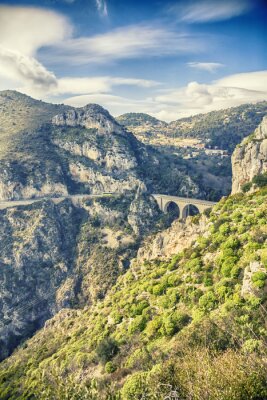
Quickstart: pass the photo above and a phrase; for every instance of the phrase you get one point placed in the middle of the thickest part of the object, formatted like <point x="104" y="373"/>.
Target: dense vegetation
<point x="191" y="327"/>
<point x="139" y="119"/>
<point x="223" y="129"/>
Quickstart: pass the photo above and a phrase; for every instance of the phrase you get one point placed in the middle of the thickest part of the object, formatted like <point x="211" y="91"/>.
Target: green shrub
<point x="246" y="187"/>
<point x="110" y="367"/>
<point x="258" y="279"/>
<point x="107" y="349"/>
<point x="159" y="289"/>
<point x="138" y="308"/>
<point x="174" y="263"/>
<point x="135" y="386"/>
<point x="138" y="324"/>
<point x="227" y="266"/>
<point x="260" y="180"/>
<point x="173" y="323"/>
<point x="208" y="301"/>
<point x="194" y="265"/>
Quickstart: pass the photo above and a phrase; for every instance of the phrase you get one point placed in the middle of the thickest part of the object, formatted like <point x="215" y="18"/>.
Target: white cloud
<point x="102" y="7"/>
<point x="205" y="66"/>
<point x="254" y="81"/>
<point x="118" y="105"/>
<point x="100" y="84"/>
<point x="20" y="68"/>
<point x="23" y="30"/>
<point x="126" y="42"/>
<point x="26" y="29"/>
<point x="209" y="10"/>
<point x="115" y="104"/>
<point x="229" y="91"/>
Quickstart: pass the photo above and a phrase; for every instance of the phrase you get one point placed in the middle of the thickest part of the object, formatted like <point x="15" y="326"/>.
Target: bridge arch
<point x="189" y="210"/>
<point x="173" y="208"/>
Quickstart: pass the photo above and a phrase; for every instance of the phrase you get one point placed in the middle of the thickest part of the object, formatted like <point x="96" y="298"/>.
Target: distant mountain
<point x="222" y="129"/>
<point x="139" y="119"/>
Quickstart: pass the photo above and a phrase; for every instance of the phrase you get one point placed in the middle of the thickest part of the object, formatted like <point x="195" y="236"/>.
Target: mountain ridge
<point x="222" y="129"/>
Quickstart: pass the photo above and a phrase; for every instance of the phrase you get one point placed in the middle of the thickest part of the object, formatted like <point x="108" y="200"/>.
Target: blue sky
<point x="168" y="58"/>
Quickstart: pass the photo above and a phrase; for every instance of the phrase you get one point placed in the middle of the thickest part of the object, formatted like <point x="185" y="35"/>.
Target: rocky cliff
<point x="90" y="116"/>
<point x="179" y="236"/>
<point x="250" y="159"/>
<point x="37" y="258"/>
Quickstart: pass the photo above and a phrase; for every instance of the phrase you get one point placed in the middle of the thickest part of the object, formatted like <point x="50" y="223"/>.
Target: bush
<point x="258" y="279"/>
<point x="173" y="323"/>
<point x="138" y="324"/>
<point x="260" y="180"/>
<point x="135" y="387"/>
<point x="107" y="349"/>
<point x="110" y="367"/>
<point x="246" y="187"/>
<point x="208" y="301"/>
<point x="138" y="308"/>
<point x="227" y="266"/>
<point x="159" y="289"/>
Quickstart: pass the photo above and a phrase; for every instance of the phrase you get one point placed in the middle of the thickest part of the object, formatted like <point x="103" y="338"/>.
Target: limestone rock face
<point x="142" y="212"/>
<point x="90" y="116"/>
<point x="171" y="241"/>
<point x="12" y="188"/>
<point x="250" y="157"/>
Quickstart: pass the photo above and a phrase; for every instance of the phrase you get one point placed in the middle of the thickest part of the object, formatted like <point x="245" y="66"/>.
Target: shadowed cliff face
<point x="249" y="160"/>
<point x="37" y="250"/>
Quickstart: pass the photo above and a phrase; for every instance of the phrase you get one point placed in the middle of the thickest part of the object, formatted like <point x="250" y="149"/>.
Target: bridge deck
<point x="186" y="200"/>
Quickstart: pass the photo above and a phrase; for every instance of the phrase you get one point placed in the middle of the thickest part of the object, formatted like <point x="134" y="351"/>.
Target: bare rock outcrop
<point x="91" y="116"/>
<point x="250" y="157"/>
<point x="171" y="241"/>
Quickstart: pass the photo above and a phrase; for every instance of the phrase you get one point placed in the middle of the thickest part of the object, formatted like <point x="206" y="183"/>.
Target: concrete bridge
<point x="183" y="204"/>
<point x="76" y="199"/>
<point x="164" y="201"/>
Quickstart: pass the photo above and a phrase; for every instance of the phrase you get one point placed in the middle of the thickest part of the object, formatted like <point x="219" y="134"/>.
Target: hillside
<point x="139" y="119"/>
<point x="222" y="129"/>
<point x="249" y="161"/>
<point x="203" y="300"/>
<point x="205" y="303"/>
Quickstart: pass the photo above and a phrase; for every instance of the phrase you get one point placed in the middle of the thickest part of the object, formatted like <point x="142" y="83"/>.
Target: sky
<point x="168" y="58"/>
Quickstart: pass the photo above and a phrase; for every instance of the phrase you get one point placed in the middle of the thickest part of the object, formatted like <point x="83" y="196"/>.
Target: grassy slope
<point x="158" y="320"/>
<point x="17" y="114"/>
